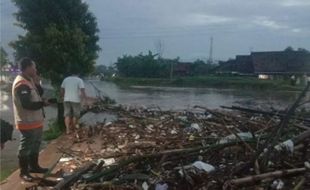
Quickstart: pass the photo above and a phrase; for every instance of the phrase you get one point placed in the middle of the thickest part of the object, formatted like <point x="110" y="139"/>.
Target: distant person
<point x="29" y="115"/>
<point x="72" y="92"/>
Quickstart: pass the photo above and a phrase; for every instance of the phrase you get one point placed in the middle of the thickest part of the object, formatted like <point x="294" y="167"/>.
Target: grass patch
<point x="213" y="81"/>
<point x="54" y="130"/>
<point x="5" y="173"/>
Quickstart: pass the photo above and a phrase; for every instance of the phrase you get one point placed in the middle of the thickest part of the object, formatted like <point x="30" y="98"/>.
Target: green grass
<point x="213" y="81"/>
<point x="5" y="173"/>
<point x="54" y="131"/>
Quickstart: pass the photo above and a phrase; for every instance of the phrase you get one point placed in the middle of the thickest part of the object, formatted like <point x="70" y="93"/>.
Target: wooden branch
<point x="290" y="113"/>
<point x="248" y="110"/>
<point x="255" y="178"/>
<point x="52" y="168"/>
<point x="301" y="137"/>
<point x="300" y="183"/>
<point x="62" y="185"/>
<point x="198" y="150"/>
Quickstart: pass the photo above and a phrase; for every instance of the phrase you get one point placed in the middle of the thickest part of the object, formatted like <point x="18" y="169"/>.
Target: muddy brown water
<point x="178" y="98"/>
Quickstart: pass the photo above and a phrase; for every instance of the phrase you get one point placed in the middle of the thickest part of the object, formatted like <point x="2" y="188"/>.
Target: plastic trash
<point x="131" y="126"/>
<point x="173" y="132"/>
<point x="209" y="116"/>
<point x="150" y="127"/>
<point x="67" y="159"/>
<point x="108" y="161"/>
<point x="196" y="126"/>
<point x="137" y="137"/>
<point x="145" y="186"/>
<point x="182" y="118"/>
<point x="161" y="186"/>
<point x="108" y="123"/>
<point x="286" y="145"/>
<point x="191" y="138"/>
<point x="204" y="166"/>
<point x="277" y="184"/>
<point x="232" y="137"/>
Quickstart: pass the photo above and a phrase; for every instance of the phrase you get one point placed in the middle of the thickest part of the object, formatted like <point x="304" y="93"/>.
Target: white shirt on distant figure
<point x="72" y="86"/>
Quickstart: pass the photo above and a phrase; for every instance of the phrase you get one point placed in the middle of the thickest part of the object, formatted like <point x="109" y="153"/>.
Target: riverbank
<point x="211" y="81"/>
<point x="129" y="150"/>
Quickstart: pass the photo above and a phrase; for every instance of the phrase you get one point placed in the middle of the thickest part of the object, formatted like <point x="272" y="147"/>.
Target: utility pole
<point x="171" y="70"/>
<point x="210" y="61"/>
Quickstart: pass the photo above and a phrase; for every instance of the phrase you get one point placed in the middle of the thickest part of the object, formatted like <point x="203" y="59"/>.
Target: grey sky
<point x="185" y="26"/>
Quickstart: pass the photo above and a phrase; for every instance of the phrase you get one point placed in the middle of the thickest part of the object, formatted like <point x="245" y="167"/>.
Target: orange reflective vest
<point x="26" y="119"/>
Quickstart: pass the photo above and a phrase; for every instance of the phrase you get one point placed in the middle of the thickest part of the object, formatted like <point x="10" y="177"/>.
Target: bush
<point x="54" y="130"/>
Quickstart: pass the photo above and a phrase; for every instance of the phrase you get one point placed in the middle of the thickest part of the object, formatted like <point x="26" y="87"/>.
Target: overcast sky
<point x="185" y="26"/>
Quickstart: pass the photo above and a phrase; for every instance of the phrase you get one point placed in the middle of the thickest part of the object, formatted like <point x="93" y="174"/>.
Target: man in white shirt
<point x="72" y="92"/>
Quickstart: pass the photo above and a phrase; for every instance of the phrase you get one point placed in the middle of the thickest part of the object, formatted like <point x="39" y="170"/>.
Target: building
<point x="281" y="62"/>
<point x="242" y="64"/>
<point x="270" y="63"/>
<point x="182" y="69"/>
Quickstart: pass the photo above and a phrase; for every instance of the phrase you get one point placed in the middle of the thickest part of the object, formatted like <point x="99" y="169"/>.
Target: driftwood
<point x="52" y="168"/>
<point x="186" y="151"/>
<point x="300" y="184"/>
<point x="161" y="144"/>
<point x="301" y="137"/>
<point x="300" y="126"/>
<point x="249" y="110"/>
<point x="231" y="117"/>
<point x="277" y="131"/>
<point x="255" y="178"/>
<point x="71" y="179"/>
<point x="290" y="113"/>
<point x="104" y="185"/>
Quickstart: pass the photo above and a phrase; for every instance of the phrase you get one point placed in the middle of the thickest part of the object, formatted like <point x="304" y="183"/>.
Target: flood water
<point x="176" y="98"/>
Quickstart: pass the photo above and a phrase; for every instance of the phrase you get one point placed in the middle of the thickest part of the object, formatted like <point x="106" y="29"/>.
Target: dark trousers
<point x="30" y="141"/>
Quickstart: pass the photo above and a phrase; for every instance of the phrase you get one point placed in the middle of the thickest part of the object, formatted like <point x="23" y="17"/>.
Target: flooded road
<point x="176" y="98"/>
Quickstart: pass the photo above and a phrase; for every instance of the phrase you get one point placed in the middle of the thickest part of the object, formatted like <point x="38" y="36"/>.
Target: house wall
<point x="292" y="62"/>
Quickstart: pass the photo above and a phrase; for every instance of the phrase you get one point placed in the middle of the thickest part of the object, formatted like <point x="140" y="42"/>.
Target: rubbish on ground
<point x="204" y="166"/>
<point x="287" y="145"/>
<point x="148" y="148"/>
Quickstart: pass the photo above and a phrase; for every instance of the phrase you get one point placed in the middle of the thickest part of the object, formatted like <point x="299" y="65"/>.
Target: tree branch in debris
<point x="255" y="178"/>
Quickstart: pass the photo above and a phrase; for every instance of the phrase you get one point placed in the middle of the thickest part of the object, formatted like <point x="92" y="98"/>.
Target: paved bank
<point x="48" y="156"/>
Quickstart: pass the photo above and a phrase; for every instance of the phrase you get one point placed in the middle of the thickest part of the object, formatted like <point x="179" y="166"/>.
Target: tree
<point x="106" y="71"/>
<point x="289" y="48"/>
<point x="61" y="36"/>
<point x="145" y="66"/>
<point x="3" y="58"/>
<point x="304" y="50"/>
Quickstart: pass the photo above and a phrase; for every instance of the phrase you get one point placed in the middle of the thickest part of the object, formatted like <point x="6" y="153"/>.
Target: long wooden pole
<point x="255" y="178"/>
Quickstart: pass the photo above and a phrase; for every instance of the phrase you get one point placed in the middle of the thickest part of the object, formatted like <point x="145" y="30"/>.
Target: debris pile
<point x="147" y="148"/>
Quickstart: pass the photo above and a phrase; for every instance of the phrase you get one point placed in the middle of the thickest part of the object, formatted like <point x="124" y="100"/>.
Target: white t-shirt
<point x="72" y="86"/>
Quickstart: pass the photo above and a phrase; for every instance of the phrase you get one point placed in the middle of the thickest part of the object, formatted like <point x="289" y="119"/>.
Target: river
<point x="177" y="98"/>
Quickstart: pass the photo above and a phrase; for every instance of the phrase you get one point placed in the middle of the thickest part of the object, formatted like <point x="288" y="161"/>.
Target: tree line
<point x="153" y="66"/>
